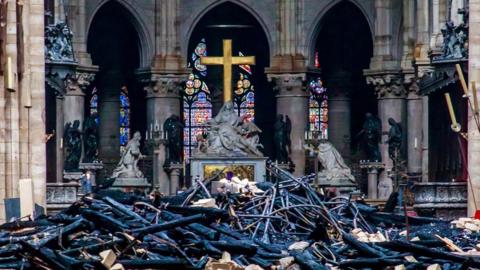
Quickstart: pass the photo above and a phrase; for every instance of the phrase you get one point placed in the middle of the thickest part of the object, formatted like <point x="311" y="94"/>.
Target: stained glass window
<point x="318" y="107"/>
<point x="244" y="95"/>
<point x="124" y="118"/>
<point x="94" y="104"/>
<point x="197" y="106"/>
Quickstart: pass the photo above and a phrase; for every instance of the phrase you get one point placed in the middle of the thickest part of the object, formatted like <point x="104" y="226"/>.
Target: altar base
<point x="252" y="168"/>
<point x="131" y="184"/>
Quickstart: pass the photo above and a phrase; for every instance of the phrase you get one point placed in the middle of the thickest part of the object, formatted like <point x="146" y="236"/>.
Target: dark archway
<point x="343" y="50"/>
<point x="231" y="21"/>
<point x="344" y="45"/>
<point x="114" y="45"/>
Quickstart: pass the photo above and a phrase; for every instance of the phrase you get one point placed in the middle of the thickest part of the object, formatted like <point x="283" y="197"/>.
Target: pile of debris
<point x="288" y="225"/>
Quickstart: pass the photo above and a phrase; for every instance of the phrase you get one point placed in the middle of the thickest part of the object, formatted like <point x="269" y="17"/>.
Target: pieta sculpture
<point x="230" y="135"/>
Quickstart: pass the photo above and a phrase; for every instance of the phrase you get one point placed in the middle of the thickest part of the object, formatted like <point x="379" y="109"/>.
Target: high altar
<point x="231" y="143"/>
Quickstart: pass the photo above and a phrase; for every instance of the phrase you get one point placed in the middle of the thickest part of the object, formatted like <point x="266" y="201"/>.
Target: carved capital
<point x="288" y="84"/>
<point x="387" y="85"/>
<point x="77" y="83"/>
<point x="163" y="85"/>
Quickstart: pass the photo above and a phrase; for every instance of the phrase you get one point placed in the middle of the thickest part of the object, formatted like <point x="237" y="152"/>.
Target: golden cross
<point x="227" y="60"/>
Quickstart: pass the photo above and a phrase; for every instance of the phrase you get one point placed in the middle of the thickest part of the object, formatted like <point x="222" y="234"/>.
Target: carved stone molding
<point x="387" y="85"/>
<point x="288" y="84"/>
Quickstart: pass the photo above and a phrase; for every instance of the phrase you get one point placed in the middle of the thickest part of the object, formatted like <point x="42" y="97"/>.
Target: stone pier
<point x="109" y="103"/>
<point x="163" y="100"/>
<point x="339" y="115"/>
<point x="292" y="100"/>
<point x="391" y="104"/>
<point x="473" y="134"/>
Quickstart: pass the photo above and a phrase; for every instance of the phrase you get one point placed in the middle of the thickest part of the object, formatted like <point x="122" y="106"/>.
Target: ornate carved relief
<point x="387" y="85"/>
<point x="58" y="43"/>
<point x="78" y="82"/>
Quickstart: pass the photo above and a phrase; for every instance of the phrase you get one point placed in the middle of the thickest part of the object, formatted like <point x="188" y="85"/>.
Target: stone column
<point x="292" y="100"/>
<point x="74" y="103"/>
<point x="163" y="100"/>
<point x="473" y="134"/>
<point x="414" y="130"/>
<point x="175" y="180"/>
<point x="339" y="111"/>
<point x="391" y="95"/>
<point x="109" y="88"/>
<point x="59" y="126"/>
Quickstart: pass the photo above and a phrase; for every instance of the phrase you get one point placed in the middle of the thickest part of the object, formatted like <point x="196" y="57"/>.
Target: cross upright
<point x="227" y="60"/>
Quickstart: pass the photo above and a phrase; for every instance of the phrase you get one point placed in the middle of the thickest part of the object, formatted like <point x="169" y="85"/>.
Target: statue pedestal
<point x="127" y="184"/>
<point x="341" y="186"/>
<point x="92" y="168"/>
<point x="252" y="168"/>
<point x="373" y="168"/>
<point x="174" y="171"/>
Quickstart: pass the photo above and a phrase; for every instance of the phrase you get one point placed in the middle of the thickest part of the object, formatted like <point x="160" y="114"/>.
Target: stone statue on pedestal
<point x="231" y="136"/>
<point x="128" y="165"/>
<point x="394" y="139"/>
<point x="334" y="168"/>
<point x="73" y="146"/>
<point x="281" y="138"/>
<point x="173" y="128"/>
<point x="90" y="140"/>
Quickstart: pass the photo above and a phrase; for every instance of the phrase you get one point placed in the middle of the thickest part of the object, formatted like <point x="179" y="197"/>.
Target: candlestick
<point x="146" y="134"/>
<point x="475" y="97"/>
<point x="462" y="79"/>
<point x="184" y="169"/>
<point x="306" y="134"/>
<point x="9" y="78"/>
<point x="455" y="126"/>
<point x="415" y="143"/>
<point x="151" y="127"/>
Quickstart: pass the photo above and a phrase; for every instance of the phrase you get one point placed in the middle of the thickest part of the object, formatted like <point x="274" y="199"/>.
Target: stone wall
<point x="22" y="140"/>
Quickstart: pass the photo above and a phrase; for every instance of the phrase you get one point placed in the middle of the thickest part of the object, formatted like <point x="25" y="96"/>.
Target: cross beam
<point x="227" y="61"/>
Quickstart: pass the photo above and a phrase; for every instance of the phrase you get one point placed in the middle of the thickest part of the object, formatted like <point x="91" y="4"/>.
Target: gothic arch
<point x="314" y="29"/>
<point x="241" y="4"/>
<point x="133" y="14"/>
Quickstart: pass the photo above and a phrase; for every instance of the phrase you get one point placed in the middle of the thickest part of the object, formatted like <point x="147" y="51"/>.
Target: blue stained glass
<point x="124" y="117"/>
<point x="94" y="105"/>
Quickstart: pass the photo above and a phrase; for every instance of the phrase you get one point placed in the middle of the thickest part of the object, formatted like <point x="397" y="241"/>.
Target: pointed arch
<point x="315" y="29"/>
<point x="134" y="16"/>
<point x="241" y="5"/>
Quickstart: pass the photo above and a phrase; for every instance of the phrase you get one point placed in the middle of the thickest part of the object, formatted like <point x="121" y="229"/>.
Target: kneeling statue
<point x="128" y="165"/>
<point x="334" y="167"/>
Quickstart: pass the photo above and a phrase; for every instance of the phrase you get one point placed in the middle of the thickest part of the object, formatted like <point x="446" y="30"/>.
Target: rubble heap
<point x="288" y="225"/>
